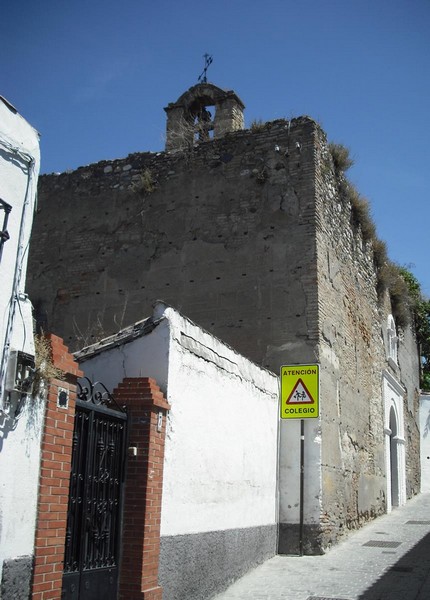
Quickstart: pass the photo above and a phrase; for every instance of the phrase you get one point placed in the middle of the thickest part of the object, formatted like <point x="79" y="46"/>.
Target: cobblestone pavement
<point x="389" y="559"/>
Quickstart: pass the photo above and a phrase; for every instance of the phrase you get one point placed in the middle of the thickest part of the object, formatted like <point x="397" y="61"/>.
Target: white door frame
<point x="393" y="394"/>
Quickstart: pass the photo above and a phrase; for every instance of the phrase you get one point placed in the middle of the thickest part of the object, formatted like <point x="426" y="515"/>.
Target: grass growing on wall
<point x="45" y="368"/>
<point x="146" y="183"/>
<point x="408" y="304"/>
<point x="342" y="160"/>
<point x="257" y="125"/>
<point x="389" y="276"/>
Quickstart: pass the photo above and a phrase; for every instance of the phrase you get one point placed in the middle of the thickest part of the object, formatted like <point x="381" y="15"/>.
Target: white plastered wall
<point x="221" y="443"/>
<point x="19" y="169"/>
<point x="19" y="477"/>
<point x="425" y="441"/>
<point x="289" y="472"/>
<point x="220" y="469"/>
<point x="19" y="438"/>
<point x="146" y="356"/>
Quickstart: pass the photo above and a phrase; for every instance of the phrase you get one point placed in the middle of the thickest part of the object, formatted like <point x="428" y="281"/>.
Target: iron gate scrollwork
<point x="92" y="548"/>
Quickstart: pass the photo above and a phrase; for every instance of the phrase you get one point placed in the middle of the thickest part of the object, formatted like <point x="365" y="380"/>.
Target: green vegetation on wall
<point x="420" y="307"/>
<point x="388" y="275"/>
<point x="406" y="298"/>
<point x="44" y="367"/>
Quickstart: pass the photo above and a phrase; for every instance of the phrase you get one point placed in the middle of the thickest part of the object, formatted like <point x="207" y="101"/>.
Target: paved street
<point x="389" y="559"/>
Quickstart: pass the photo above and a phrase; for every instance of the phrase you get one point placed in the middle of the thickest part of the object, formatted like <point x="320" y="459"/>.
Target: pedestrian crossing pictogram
<point x="300" y="394"/>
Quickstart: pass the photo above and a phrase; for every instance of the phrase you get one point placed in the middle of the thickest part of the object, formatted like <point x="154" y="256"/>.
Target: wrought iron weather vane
<point x="208" y="61"/>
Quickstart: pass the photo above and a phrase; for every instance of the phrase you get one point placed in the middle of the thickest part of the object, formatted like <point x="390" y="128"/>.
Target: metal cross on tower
<point x="208" y="61"/>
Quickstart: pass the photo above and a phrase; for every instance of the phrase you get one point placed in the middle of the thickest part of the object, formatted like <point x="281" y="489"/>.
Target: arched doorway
<point x="394" y="460"/>
<point x="395" y="468"/>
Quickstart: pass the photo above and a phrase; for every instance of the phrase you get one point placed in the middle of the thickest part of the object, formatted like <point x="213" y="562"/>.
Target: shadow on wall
<point x="408" y="579"/>
<point x="6" y="426"/>
<point x="31" y="410"/>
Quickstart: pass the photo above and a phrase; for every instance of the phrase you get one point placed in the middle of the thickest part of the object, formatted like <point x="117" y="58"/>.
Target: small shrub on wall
<point x="420" y="307"/>
<point x="45" y="368"/>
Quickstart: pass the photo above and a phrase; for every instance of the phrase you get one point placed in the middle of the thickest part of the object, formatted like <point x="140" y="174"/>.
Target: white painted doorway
<point x="395" y="467"/>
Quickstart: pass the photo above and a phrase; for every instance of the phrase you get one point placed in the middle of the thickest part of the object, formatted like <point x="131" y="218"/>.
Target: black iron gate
<point x="91" y="559"/>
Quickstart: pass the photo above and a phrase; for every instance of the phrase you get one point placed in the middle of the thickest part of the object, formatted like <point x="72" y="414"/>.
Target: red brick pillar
<point x="143" y="488"/>
<point x="56" y="454"/>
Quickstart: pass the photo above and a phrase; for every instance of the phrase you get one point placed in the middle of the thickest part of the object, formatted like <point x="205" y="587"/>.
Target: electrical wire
<point x="21" y="253"/>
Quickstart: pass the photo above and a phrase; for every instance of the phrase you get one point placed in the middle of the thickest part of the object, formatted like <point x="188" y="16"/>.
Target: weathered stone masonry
<point x="224" y="232"/>
<point x="353" y="354"/>
<point x="352" y="357"/>
<point x="248" y="236"/>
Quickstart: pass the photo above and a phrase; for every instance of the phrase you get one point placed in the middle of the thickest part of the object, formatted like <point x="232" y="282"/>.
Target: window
<point x="392" y="340"/>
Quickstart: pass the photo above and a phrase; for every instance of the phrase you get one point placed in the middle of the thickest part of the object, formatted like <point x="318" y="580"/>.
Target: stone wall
<point x="223" y="232"/>
<point x="250" y="237"/>
<point x="351" y="364"/>
<point x="353" y="355"/>
<point x="408" y="370"/>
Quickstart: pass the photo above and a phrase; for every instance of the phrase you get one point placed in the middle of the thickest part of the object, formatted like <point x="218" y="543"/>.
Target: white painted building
<point x="425" y="441"/>
<point x="219" y="508"/>
<point x="19" y="170"/>
<point x="20" y="416"/>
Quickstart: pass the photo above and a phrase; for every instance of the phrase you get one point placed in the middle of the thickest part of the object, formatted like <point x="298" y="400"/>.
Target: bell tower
<point x="202" y="113"/>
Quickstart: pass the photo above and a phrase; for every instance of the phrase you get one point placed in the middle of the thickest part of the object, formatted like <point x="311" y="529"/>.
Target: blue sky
<point x="93" y="78"/>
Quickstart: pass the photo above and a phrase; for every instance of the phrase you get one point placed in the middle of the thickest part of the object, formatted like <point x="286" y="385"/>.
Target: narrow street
<point x="389" y="559"/>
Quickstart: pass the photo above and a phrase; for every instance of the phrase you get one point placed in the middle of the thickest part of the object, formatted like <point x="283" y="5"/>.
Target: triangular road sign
<point x="300" y="394"/>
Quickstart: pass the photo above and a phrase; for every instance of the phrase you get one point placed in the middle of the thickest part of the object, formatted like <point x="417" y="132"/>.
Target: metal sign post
<point x="302" y="483"/>
<point x="300" y="400"/>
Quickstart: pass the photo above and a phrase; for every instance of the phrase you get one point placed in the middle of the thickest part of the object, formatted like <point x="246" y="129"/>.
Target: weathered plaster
<point x="220" y="467"/>
<point x="20" y="416"/>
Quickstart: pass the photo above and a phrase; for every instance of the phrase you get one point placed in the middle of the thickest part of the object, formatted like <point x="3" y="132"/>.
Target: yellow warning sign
<point x="300" y="391"/>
